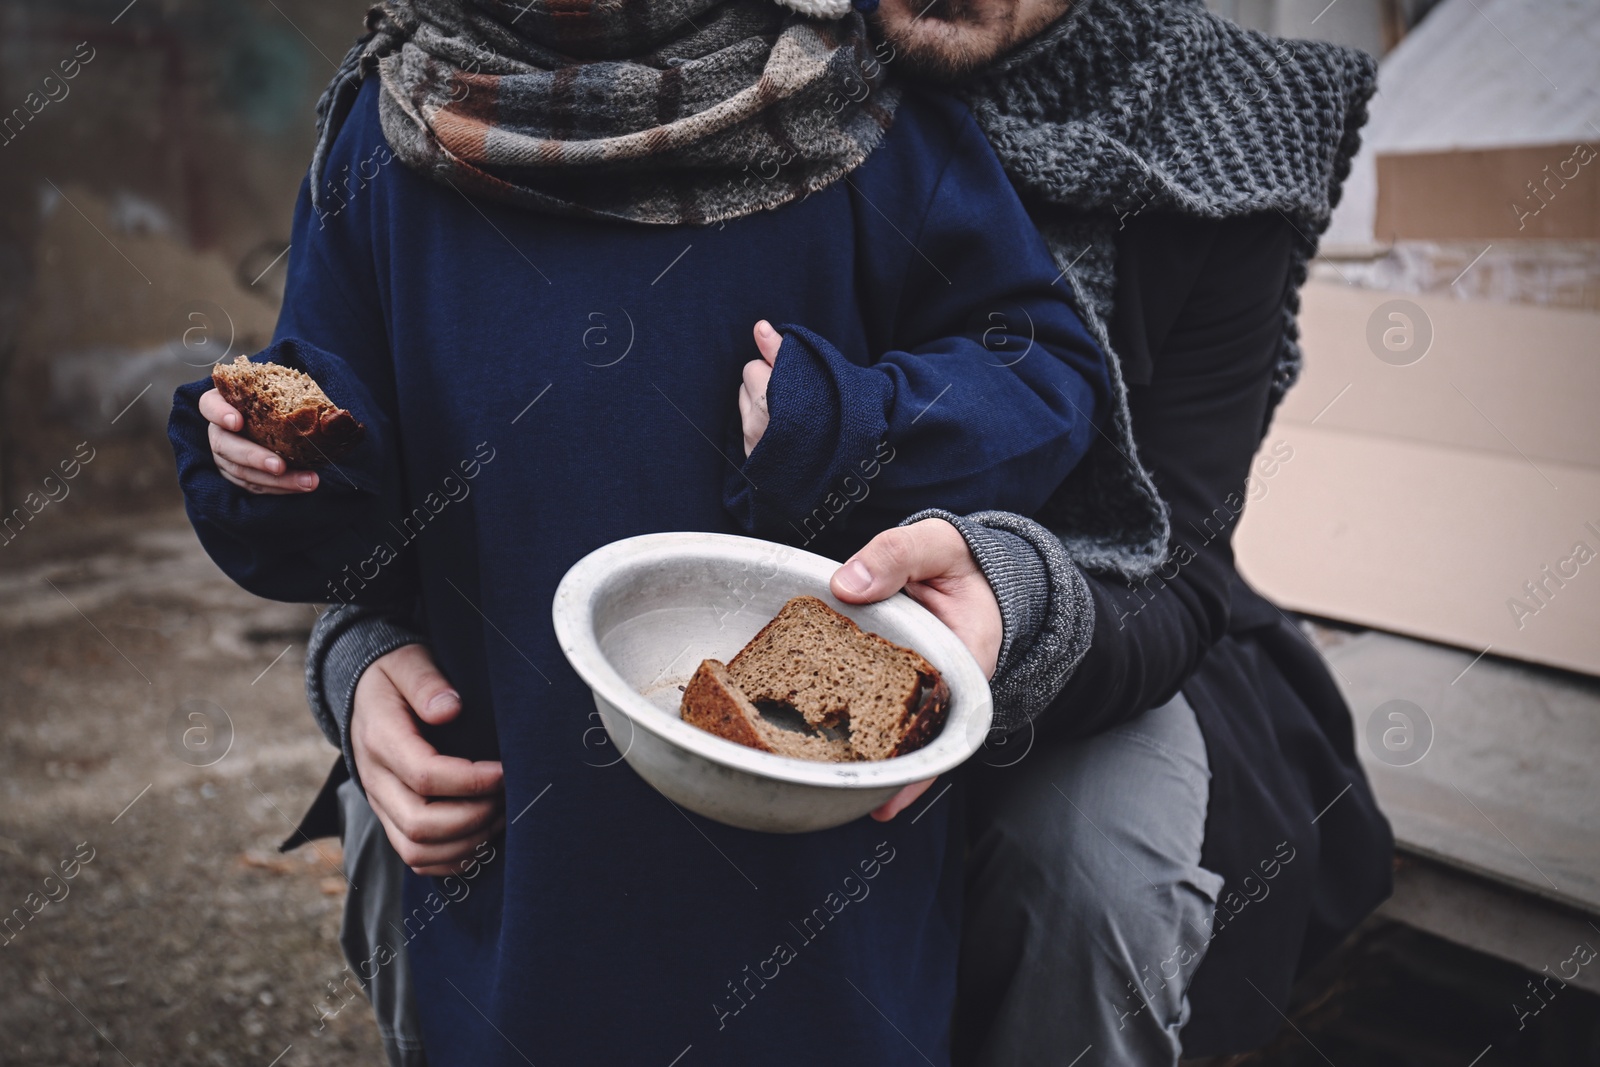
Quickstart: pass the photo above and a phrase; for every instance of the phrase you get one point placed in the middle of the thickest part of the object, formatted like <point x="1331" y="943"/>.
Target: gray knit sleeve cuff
<point x="1046" y="609"/>
<point x="344" y="643"/>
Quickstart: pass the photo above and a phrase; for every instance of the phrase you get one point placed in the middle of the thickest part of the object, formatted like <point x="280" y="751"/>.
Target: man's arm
<point x="1082" y="652"/>
<point x="370" y="680"/>
<point x="1198" y="424"/>
<point x="346" y="640"/>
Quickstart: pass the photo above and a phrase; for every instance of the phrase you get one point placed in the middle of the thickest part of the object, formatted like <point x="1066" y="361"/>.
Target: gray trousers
<point x="373" y="941"/>
<point x="1087" y="906"/>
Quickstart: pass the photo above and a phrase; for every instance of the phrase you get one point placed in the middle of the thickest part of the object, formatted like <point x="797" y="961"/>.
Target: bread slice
<point x="285" y="410"/>
<point x="812" y="685"/>
<point x="713" y="702"/>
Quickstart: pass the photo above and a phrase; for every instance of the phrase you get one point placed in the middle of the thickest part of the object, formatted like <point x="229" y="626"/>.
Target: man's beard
<point x="949" y="57"/>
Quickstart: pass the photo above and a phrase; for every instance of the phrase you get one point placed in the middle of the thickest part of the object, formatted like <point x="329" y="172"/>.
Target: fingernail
<point x="855" y="577"/>
<point x="764" y="329"/>
<point x="306" y="481"/>
<point x="445" y="701"/>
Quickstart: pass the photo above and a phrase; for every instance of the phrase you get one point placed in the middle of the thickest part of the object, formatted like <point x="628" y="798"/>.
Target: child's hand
<point x="753" y="393"/>
<point x="245" y="463"/>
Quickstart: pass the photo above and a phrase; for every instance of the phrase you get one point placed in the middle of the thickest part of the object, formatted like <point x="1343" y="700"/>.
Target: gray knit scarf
<point x="652" y="111"/>
<point x="1125" y="106"/>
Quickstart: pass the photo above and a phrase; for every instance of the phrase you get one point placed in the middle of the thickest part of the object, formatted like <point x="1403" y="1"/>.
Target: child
<point x="537" y="383"/>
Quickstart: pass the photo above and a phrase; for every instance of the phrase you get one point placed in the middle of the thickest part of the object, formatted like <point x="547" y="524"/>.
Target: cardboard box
<point x="1548" y="191"/>
<point x="1452" y="495"/>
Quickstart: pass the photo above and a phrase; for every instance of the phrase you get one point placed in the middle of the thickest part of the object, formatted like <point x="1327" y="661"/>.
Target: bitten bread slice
<point x="285" y="410"/>
<point x="813" y="685"/>
<point x="713" y="702"/>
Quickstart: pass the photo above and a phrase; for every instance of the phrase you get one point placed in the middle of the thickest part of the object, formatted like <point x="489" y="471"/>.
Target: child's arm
<point x="243" y="462"/>
<point x="984" y="394"/>
<point x="265" y="528"/>
<point x="257" y="520"/>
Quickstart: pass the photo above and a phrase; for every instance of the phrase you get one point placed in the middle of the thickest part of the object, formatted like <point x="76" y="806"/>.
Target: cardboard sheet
<point x="1551" y="191"/>
<point x="1458" y="81"/>
<point x="1455" y="497"/>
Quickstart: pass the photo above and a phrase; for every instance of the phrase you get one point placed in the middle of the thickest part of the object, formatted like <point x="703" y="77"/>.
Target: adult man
<point x="1181" y="170"/>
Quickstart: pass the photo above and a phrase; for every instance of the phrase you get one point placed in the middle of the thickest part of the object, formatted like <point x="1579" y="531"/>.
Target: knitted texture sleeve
<point x="1046" y="610"/>
<point x="345" y="641"/>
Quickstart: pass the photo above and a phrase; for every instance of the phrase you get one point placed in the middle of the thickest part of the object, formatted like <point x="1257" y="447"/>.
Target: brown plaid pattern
<point x="655" y="111"/>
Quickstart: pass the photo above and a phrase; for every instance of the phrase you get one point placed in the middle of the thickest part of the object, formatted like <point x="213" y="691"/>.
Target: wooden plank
<point x="1494" y="920"/>
<point x="1490" y="766"/>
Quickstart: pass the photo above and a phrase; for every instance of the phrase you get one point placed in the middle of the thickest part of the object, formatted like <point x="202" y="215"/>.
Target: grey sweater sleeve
<point x="1046" y="609"/>
<point x="344" y="643"/>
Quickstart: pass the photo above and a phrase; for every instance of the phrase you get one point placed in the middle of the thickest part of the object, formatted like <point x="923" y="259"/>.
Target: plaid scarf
<point x="654" y="111"/>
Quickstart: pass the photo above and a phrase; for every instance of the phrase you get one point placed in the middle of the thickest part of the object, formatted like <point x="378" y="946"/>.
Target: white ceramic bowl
<point x="636" y="617"/>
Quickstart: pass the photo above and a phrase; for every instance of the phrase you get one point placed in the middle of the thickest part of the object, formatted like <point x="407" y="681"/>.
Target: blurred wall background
<point x="143" y="209"/>
<point x="145" y="203"/>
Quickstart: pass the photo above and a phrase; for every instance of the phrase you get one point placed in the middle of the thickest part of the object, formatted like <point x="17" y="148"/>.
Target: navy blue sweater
<point x="536" y="387"/>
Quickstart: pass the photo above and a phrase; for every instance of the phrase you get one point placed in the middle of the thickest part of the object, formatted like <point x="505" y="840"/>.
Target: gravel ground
<point x="184" y="937"/>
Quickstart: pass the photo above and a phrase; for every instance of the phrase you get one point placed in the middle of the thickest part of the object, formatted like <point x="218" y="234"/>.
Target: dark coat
<point x="1198" y="324"/>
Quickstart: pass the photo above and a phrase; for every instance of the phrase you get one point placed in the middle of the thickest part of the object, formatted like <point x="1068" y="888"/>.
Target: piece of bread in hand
<point x="813" y="685"/>
<point x="287" y="411"/>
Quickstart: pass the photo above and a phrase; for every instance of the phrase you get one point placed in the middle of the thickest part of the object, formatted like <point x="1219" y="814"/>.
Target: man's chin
<point x="946" y="40"/>
<point x="937" y="49"/>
